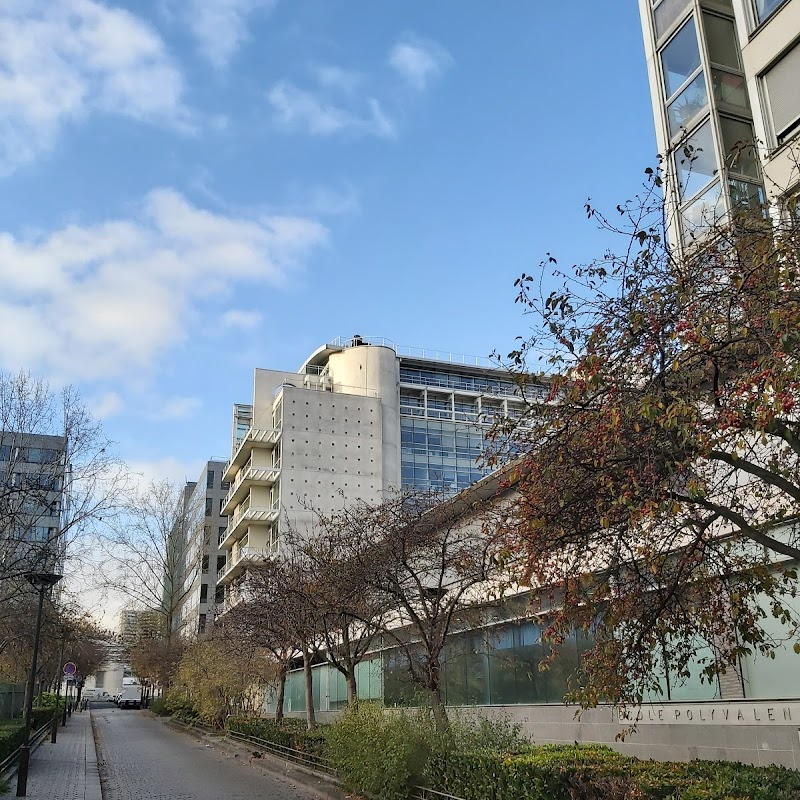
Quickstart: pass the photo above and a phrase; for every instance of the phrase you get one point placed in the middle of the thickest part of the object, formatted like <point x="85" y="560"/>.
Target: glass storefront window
<point x="739" y="143"/>
<point x="723" y="44"/>
<point x="692" y="101"/>
<point x="680" y="58"/>
<point x="695" y="161"/>
<point x="703" y="212"/>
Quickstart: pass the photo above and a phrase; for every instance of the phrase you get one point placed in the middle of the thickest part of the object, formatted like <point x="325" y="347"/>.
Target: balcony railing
<point x="246" y="475"/>
<point x="247" y="513"/>
<point x="255" y="436"/>
<point x="241" y="558"/>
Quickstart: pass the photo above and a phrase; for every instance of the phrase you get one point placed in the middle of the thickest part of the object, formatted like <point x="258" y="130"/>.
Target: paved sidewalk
<point x="66" y="770"/>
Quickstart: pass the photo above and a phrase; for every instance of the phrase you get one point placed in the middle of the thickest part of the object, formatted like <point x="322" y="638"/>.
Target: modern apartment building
<point x="203" y="559"/>
<point x="723" y="79"/>
<point x="32" y="474"/>
<point x="360" y="417"/>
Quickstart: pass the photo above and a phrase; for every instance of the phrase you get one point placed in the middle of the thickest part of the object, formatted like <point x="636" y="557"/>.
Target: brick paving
<point x="66" y="770"/>
<point x="141" y="758"/>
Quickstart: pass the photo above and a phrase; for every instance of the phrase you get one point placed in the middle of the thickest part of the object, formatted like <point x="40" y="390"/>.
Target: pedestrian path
<point x="66" y="770"/>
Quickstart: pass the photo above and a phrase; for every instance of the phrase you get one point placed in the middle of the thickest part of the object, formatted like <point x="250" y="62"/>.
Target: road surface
<point x="141" y="758"/>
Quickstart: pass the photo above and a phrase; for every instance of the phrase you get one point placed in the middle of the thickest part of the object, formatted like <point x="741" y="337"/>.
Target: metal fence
<point x="12" y="700"/>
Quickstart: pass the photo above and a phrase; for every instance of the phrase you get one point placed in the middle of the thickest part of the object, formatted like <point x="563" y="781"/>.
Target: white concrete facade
<point x="341" y="429"/>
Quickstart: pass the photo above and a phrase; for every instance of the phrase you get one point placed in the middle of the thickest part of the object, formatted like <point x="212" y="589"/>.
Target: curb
<point x="93" y="787"/>
<point x="325" y="786"/>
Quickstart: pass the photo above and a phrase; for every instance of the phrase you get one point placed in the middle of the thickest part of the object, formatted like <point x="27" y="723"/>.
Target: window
<point x="739" y="142"/>
<point x="205" y="564"/>
<point x="225" y="485"/>
<point x="201" y="625"/>
<point x="703" y="212"/>
<point x="221" y="561"/>
<point x="680" y="59"/>
<point x="222" y="529"/>
<point x="221" y="504"/>
<point x="695" y="161"/>
<point x="781" y="82"/>
<point x="210" y="479"/>
<point x="692" y="101"/>
<point x="667" y="12"/>
<point x="723" y="44"/>
<point x="203" y="592"/>
<point x="219" y="595"/>
<point x="209" y="506"/>
<point x="764" y="8"/>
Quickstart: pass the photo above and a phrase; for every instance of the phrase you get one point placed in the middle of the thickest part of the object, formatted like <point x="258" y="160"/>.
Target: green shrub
<point x="11" y="735"/>
<point x="378" y="752"/>
<point x="289" y="732"/>
<point x="159" y="707"/>
<point x="594" y="771"/>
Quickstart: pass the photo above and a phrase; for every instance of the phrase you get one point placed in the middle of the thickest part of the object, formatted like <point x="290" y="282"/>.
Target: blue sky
<point x="194" y="188"/>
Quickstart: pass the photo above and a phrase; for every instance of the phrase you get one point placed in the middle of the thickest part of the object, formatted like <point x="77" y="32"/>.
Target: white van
<point x="96" y="694"/>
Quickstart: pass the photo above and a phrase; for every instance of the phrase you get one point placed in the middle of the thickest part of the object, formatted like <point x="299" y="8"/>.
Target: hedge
<point x="551" y="772"/>
<point x="290" y="732"/>
<point x="11" y="735"/>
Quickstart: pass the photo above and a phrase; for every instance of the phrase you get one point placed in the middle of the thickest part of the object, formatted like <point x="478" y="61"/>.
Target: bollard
<point x="54" y="729"/>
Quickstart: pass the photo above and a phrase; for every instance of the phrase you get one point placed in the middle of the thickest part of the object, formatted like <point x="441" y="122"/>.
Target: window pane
<point x="723" y="46"/>
<point x="667" y="12"/>
<point x="695" y="161"/>
<point x="765" y="7"/>
<point x="746" y="195"/>
<point x="680" y="58"/>
<point x="687" y="105"/>
<point x="703" y="212"/>
<point x="740" y="152"/>
<point x="729" y="88"/>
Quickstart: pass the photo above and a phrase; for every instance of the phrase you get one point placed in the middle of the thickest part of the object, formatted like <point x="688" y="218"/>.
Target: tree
<point x="222" y="678"/>
<point x="58" y="477"/>
<point x="347" y="616"/>
<point x="659" y="482"/>
<point x="433" y="564"/>
<point x="152" y="557"/>
<point x="266" y="618"/>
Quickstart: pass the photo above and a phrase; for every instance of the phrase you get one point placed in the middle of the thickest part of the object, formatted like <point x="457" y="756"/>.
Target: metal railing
<point x="246" y="553"/>
<point x="7" y="765"/>
<point x="289" y="753"/>
<point x="413" y="352"/>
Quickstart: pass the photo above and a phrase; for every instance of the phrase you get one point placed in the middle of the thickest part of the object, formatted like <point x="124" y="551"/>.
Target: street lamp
<point x="41" y="581"/>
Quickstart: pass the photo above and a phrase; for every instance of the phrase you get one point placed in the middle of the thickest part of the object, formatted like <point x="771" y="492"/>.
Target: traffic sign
<point x="70" y="668"/>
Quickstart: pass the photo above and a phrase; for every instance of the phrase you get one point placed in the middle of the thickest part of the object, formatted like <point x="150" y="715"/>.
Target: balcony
<point x="243" y="558"/>
<point x="263" y="515"/>
<point x="255" y="437"/>
<point x="245" y="478"/>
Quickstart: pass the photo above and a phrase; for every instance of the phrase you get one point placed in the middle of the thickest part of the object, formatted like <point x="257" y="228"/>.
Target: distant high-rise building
<point x="359" y="418"/>
<point x="200" y="597"/>
<point x="32" y="472"/>
<point x="724" y="77"/>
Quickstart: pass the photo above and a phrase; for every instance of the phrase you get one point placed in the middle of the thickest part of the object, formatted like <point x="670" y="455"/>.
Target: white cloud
<point x="166" y="469"/>
<point x="104" y="300"/>
<point x="243" y="320"/>
<point x="177" y="408"/>
<point x="342" y="80"/>
<point x="61" y="60"/>
<point x="297" y="108"/>
<point x="418" y="61"/>
<point x="220" y="26"/>
<point x="105" y="406"/>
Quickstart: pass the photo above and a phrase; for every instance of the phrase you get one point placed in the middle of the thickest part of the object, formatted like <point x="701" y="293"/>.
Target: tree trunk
<point x="439" y="714"/>
<point x="352" y="689"/>
<point x="281" y="694"/>
<point x="311" y="720"/>
<point x="435" y="690"/>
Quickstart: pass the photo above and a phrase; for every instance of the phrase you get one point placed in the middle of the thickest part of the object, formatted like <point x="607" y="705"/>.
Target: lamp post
<point x="41" y="581"/>
<point x="54" y="734"/>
